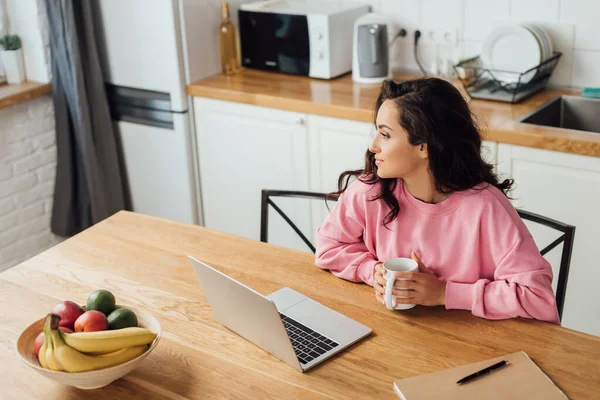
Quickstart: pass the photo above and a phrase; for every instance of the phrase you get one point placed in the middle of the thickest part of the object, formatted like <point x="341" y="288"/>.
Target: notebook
<point x="520" y="378"/>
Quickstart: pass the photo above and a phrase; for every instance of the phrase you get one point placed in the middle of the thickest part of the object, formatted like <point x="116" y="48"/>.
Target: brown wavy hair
<point x="432" y="111"/>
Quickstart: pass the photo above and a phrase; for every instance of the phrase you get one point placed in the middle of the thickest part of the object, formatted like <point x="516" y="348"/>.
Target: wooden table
<point x="142" y="260"/>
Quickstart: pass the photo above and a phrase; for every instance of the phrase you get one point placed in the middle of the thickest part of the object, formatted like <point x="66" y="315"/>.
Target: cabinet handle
<point x="300" y="121"/>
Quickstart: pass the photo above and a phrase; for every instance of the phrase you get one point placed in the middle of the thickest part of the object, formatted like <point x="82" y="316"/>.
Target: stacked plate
<point x="511" y="50"/>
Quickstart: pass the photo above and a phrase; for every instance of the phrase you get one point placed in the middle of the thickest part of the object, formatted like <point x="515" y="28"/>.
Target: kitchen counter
<point x="342" y="98"/>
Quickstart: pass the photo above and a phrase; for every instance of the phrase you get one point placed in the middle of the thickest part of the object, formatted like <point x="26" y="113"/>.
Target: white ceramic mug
<point x="397" y="265"/>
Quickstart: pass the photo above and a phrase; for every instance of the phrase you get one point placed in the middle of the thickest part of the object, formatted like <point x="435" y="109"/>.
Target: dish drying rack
<point x="507" y="86"/>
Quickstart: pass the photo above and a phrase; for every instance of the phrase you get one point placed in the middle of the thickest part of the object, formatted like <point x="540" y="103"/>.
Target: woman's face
<point x="395" y="157"/>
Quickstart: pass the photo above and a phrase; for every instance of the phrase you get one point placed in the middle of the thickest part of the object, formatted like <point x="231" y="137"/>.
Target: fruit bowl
<point x="90" y="379"/>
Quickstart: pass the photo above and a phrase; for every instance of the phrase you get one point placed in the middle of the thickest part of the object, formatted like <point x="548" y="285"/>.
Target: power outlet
<point x="439" y="50"/>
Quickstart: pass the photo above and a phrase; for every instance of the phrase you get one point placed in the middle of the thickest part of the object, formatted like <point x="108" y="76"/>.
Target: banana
<point x="108" y="341"/>
<point x="59" y="356"/>
<point x="42" y="354"/>
<point x="51" y="359"/>
<point x="75" y="361"/>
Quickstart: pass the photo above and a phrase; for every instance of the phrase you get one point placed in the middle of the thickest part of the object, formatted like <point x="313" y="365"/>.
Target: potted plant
<point x="12" y="58"/>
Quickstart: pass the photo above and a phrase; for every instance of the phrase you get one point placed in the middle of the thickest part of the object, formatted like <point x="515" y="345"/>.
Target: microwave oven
<point x="301" y="37"/>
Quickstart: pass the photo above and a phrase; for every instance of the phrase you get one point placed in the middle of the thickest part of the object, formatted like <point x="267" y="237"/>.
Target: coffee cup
<point x="397" y="265"/>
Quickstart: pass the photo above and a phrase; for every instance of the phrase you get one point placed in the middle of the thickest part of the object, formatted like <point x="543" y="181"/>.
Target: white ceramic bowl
<point x="90" y="379"/>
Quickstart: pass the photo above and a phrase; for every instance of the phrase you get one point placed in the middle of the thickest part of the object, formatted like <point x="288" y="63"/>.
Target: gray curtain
<point x="89" y="185"/>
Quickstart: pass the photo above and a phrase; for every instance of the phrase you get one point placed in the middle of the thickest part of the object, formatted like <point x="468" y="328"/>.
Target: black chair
<point x="567" y="237"/>
<point x="264" y="211"/>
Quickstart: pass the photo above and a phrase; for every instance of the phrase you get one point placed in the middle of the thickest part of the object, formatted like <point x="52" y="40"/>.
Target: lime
<point x="101" y="300"/>
<point x="122" y="318"/>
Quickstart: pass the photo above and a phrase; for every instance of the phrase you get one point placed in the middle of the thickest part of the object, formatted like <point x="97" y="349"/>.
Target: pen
<point x="482" y="372"/>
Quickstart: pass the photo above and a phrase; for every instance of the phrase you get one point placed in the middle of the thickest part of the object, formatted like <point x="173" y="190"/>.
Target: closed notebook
<point x="520" y="378"/>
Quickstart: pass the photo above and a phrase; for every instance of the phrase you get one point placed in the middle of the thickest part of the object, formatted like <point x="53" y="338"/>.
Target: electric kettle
<point x="370" y="57"/>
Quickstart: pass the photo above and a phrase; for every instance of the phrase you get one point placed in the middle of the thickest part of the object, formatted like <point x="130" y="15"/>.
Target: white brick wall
<point x="27" y="148"/>
<point x="27" y="170"/>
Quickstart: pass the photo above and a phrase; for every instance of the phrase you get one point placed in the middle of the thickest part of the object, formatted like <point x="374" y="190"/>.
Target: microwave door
<point x="275" y="42"/>
<point x="292" y="44"/>
<point x="258" y="47"/>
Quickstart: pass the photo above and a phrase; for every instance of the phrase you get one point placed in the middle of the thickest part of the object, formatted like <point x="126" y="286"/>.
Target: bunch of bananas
<point x="87" y="351"/>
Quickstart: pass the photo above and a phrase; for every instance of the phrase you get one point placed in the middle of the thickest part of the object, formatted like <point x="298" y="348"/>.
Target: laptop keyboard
<point x="307" y="343"/>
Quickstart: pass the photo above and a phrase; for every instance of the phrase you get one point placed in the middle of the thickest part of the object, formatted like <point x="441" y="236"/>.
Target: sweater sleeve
<point x="522" y="287"/>
<point x="340" y="247"/>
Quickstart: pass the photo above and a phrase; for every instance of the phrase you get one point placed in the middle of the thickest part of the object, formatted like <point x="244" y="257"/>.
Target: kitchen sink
<point x="570" y="112"/>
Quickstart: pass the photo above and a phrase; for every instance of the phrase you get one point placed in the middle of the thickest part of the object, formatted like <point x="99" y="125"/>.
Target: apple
<point x="39" y="340"/>
<point x="68" y="312"/>
<point x="91" y="321"/>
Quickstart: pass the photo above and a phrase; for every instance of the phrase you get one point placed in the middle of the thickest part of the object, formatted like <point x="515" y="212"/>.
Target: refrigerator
<point x="149" y="51"/>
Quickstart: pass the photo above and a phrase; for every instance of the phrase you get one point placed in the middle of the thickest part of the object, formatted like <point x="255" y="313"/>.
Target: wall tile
<point x="469" y="48"/>
<point x="442" y="15"/>
<point x="404" y="14"/>
<point x="585" y="14"/>
<point x="586" y="65"/>
<point x="562" y="36"/>
<point x="479" y="13"/>
<point x="535" y="10"/>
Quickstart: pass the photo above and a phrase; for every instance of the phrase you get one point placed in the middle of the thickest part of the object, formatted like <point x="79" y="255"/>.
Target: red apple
<point x="68" y="312"/>
<point x="39" y="340"/>
<point x="91" y="321"/>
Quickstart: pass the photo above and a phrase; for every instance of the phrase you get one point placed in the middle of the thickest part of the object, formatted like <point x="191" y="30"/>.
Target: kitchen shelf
<point x="21" y="92"/>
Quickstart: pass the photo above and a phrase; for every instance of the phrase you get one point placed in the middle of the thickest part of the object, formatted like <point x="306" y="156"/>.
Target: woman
<point x="426" y="193"/>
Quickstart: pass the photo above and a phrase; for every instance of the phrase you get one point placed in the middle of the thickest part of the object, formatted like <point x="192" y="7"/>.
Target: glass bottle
<point x="227" y="43"/>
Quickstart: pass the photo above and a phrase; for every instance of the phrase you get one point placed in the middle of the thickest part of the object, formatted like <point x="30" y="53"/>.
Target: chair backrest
<point x="567" y="237"/>
<point x="266" y="201"/>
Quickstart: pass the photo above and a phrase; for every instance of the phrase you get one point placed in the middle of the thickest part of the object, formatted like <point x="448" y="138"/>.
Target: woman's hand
<point x="424" y="287"/>
<point x="379" y="283"/>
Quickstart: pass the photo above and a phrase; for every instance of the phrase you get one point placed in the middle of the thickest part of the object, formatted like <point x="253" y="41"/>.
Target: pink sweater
<point x="474" y="241"/>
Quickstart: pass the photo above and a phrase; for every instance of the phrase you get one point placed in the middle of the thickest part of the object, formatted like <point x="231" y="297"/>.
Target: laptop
<point x="297" y="330"/>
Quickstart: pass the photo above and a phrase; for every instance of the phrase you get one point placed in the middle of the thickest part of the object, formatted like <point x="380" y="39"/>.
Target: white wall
<point x="27" y="170"/>
<point x="3" y="27"/>
<point x="27" y="151"/>
<point x="573" y="25"/>
<point x="27" y="18"/>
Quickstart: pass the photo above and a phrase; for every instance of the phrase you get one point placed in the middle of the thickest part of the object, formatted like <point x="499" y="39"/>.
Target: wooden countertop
<point x="18" y="93"/>
<point x="342" y="98"/>
<point x="142" y="260"/>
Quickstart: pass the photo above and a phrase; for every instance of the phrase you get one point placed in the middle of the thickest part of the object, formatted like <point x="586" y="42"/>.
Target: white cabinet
<point x="489" y="152"/>
<point x="243" y="149"/>
<point x="336" y="145"/>
<point x="565" y="187"/>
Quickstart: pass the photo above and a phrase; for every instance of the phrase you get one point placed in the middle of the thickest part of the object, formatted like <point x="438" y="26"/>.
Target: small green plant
<point x="10" y="42"/>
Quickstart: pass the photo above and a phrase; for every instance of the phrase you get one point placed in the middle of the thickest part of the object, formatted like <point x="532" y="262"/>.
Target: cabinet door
<point x="489" y="152"/>
<point x="243" y="149"/>
<point x="565" y="187"/>
<point x="336" y="145"/>
<point x="159" y="169"/>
